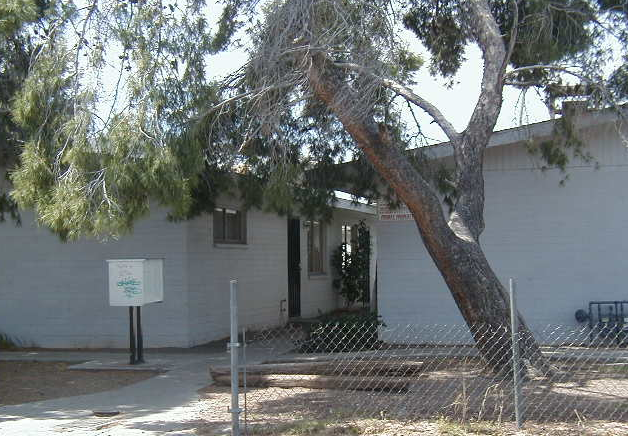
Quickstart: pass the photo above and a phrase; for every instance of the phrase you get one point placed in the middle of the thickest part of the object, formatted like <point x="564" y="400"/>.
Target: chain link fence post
<point x="244" y="388"/>
<point x="516" y="364"/>
<point x="234" y="350"/>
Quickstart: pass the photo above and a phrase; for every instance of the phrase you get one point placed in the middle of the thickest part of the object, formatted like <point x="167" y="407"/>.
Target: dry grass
<point x="445" y="396"/>
<point x="307" y="428"/>
<point x="386" y="427"/>
<point x="444" y="401"/>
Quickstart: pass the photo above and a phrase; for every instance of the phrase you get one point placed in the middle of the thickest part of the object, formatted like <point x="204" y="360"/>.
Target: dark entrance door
<point x="294" y="267"/>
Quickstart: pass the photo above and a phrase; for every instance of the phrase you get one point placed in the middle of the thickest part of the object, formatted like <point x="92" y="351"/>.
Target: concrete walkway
<point x="165" y="404"/>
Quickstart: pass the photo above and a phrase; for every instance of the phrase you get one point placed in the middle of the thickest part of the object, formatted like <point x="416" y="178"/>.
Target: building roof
<point x="342" y="203"/>
<point x="540" y="130"/>
<point x="516" y="135"/>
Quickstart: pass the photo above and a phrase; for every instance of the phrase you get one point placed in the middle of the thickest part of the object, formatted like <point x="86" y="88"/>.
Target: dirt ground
<point x="23" y="382"/>
<point x="317" y="412"/>
<point x="446" y="397"/>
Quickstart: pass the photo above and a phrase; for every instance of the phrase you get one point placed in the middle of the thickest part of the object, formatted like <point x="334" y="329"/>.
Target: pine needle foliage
<point x="111" y="90"/>
<point x="114" y="107"/>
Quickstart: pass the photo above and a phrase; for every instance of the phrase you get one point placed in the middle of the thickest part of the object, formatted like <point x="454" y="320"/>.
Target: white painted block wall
<point x="261" y="269"/>
<point x="565" y="245"/>
<point x="54" y="294"/>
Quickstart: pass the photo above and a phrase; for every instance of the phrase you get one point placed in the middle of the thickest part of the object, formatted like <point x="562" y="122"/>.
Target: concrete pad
<point x="123" y="365"/>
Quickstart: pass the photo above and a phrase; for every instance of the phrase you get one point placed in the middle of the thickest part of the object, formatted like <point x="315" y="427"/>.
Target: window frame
<point x="223" y="222"/>
<point x="323" y="248"/>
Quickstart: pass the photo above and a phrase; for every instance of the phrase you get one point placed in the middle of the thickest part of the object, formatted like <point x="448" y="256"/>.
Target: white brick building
<point x="564" y="245"/>
<point x="54" y="294"/>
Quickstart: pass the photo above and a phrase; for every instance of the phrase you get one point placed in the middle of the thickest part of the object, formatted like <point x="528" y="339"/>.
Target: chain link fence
<point x="342" y="371"/>
<point x="333" y="371"/>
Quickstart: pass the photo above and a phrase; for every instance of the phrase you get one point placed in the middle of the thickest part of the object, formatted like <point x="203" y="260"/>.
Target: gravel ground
<point x="23" y="382"/>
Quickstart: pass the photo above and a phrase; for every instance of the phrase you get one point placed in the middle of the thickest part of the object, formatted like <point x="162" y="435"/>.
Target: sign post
<point x="132" y="348"/>
<point x="133" y="283"/>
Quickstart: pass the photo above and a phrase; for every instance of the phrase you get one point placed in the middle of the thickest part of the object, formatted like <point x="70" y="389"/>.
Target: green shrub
<point x="6" y="343"/>
<point x="343" y="331"/>
<point x="351" y="267"/>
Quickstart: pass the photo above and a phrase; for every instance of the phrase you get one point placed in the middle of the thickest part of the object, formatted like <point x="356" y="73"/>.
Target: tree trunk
<point x="484" y="304"/>
<point x="454" y="245"/>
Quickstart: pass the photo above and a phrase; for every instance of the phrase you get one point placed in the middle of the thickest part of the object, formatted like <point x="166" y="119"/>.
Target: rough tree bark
<point x="453" y="244"/>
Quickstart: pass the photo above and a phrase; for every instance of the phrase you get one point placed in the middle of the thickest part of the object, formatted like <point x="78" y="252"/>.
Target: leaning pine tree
<point x="346" y="57"/>
<point x="118" y="109"/>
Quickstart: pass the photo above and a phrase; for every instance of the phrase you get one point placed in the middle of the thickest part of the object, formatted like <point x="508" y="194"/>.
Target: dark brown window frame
<point x="219" y="218"/>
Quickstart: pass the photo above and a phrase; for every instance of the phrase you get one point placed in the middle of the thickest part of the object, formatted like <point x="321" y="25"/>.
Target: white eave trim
<point x="344" y="204"/>
<point x="543" y="129"/>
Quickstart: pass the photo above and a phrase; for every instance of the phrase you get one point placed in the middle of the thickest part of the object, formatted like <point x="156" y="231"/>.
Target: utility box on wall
<point x="135" y="282"/>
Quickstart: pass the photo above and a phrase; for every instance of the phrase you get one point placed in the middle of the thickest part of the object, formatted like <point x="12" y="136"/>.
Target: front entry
<point x="294" y="267"/>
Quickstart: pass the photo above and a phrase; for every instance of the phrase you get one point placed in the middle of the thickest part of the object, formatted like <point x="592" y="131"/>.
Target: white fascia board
<point x="342" y="203"/>
<point x="540" y="130"/>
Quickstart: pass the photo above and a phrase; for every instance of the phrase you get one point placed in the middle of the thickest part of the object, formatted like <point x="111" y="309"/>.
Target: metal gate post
<point x="233" y="349"/>
<point x="514" y="331"/>
<point x="246" y="428"/>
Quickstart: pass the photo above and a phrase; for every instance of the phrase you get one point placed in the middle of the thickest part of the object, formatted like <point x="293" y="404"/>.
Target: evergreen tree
<point x="16" y="47"/>
<point x="346" y="58"/>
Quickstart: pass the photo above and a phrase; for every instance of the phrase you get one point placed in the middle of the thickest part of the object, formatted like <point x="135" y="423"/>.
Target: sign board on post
<point x="135" y="282"/>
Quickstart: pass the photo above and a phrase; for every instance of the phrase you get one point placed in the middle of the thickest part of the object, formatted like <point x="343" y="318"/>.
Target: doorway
<point x="294" y="267"/>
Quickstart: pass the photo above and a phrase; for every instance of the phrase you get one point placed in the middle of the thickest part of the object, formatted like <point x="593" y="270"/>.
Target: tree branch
<point x="596" y="84"/>
<point x="562" y="68"/>
<point x="424" y="104"/>
<point x="467" y="218"/>
<point x="388" y="160"/>
<point x="410" y="96"/>
<point x="494" y="55"/>
<point x="81" y="42"/>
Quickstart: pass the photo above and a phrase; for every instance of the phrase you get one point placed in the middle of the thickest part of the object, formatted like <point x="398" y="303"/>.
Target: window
<point x="349" y="235"/>
<point x="315" y="247"/>
<point x="229" y="226"/>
